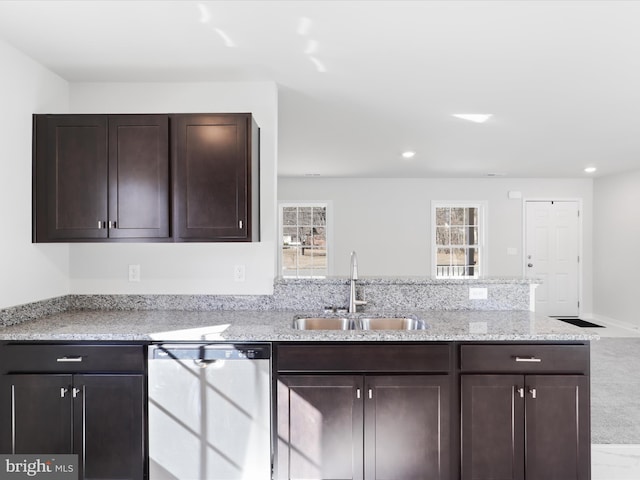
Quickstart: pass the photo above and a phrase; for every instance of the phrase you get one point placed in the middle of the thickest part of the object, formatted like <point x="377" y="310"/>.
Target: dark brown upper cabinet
<point x="101" y="178"/>
<point x="216" y="177"/>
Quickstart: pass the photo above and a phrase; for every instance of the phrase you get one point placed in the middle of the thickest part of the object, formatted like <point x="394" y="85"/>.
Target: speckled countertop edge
<point x="276" y="326"/>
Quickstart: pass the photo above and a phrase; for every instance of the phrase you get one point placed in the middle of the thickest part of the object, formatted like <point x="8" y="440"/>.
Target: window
<point x="458" y="230"/>
<point x="303" y="235"/>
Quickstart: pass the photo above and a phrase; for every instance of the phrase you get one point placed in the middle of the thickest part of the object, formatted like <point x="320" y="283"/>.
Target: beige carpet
<point x="615" y="390"/>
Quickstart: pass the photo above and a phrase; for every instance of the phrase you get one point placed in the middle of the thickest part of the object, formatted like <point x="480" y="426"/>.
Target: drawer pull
<point x="528" y="359"/>
<point x="68" y="359"/>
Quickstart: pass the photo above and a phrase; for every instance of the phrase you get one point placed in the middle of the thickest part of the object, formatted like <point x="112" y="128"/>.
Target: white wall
<point x="203" y="268"/>
<point x="28" y="272"/>
<point x="617" y="246"/>
<point x="387" y="221"/>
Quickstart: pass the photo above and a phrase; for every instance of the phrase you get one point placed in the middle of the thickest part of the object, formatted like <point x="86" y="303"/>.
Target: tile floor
<point x="615" y="462"/>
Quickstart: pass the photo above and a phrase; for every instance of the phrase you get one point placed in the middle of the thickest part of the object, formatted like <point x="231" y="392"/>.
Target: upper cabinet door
<point x="215" y="158"/>
<point x="138" y="176"/>
<point x="70" y="191"/>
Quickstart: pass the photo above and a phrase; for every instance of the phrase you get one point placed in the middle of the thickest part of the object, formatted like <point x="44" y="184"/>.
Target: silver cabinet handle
<point x="357" y="393"/>
<point x="63" y="391"/>
<point x="68" y="359"/>
<point x="528" y="359"/>
<point x="240" y="224"/>
<point x="13" y="419"/>
<point x="112" y="224"/>
<point x="370" y="393"/>
<point x="520" y="391"/>
<point x="533" y="392"/>
<point x="99" y="224"/>
<point x="75" y="392"/>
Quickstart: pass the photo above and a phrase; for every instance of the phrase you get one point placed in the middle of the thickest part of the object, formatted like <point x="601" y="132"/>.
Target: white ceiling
<point x="362" y="81"/>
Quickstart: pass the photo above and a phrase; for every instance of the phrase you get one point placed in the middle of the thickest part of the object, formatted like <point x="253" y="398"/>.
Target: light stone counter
<point x="276" y="325"/>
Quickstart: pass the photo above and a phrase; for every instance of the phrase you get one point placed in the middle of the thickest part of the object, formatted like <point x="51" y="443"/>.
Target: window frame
<point x="328" y="236"/>
<point x="481" y="269"/>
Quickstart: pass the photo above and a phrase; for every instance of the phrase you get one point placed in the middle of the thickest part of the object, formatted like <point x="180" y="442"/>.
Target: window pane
<point x="457" y="216"/>
<point x="443" y="216"/>
<point x="289" y="215"/>
<point x="304" y="216"/>
<point x="472" y="216"/>
<point x="443" y="236"/>
<point x="472" y="236"/>
<point x="458" y="236"/>
<point x="289" y="258"/>
<point x="319" y="215"/>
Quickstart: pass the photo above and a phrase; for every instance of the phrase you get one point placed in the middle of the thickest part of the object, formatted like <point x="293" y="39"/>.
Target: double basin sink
<point x="378" y="323"/>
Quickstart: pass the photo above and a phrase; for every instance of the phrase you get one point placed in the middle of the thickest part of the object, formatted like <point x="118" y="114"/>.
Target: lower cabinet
<point x="530" y="425"/>
<point x="363" y="427"/>
<point x="372" y="411"/>
<point x="98" y="416"/>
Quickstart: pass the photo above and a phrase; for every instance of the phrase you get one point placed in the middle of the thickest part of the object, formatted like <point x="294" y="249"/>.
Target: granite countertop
<point x="275" y="325"/>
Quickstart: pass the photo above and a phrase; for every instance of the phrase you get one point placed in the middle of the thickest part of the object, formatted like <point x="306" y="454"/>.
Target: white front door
<point x="552" y="255"/>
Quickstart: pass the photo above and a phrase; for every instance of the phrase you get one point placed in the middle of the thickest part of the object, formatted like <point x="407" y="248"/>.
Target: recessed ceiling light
<point x="474" y="117"/>
<point x="590" y="169"/>
<point x="496" y="174"/>
<point x="311" y="174"/>
<point x="408" y="154"/>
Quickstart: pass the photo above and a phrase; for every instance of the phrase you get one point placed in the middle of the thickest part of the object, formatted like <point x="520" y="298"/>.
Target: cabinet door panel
<point x="319" y="427"/>
<point x="139" y="176"/>
<point x="407" y="427"/>
<point x="72" y="161"/>
<point x="557" y="426"/>
<point x="109" y="421"/>
<point x="211" y="170"/>
<point x="38" y="420"/>
<point x="492" y="427"/>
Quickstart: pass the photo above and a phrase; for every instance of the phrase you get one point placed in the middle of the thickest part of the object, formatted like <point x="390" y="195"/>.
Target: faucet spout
<point x="353" y="271"/>
<point x="353" y="276"/>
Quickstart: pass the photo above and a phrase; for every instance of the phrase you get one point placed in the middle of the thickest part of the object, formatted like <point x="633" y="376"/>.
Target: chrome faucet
<point x="353" y="276"/>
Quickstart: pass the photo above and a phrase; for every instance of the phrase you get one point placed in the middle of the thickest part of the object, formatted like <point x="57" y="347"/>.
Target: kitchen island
<point x="473" y="393"/>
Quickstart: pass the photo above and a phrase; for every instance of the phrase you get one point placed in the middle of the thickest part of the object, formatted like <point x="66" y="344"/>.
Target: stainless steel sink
<point x="380" y="323"/>
<point x="321" y="323"/>
<point x="391" y="323"/>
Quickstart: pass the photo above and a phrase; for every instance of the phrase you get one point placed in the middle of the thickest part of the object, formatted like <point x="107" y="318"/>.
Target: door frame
<point x="579" y="201"/>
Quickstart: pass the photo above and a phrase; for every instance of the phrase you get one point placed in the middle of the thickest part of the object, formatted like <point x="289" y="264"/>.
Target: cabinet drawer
<point x="72" y="358"/>
<point x="525" y="358"/>
<point x="363" y="358"/>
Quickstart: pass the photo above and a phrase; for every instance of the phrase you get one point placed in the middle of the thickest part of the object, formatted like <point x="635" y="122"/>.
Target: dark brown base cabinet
<point x="364" y="426"/>
<point x="98" y="416"/>
<point x="533" y="424"/>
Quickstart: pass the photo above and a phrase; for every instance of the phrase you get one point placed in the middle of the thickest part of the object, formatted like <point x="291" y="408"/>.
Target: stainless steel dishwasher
<point x="209" y="412"/>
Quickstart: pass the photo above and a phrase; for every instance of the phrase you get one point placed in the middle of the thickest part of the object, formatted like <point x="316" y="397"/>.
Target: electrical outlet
<point x="238" y="273"/>
<point x="478" y="327"/>
<point x="134" y="273"/>
<point x="478" y="293"/>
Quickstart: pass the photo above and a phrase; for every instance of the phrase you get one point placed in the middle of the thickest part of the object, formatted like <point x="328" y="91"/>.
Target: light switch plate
<point x="478" y="293"/>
